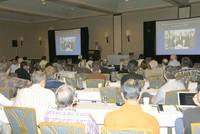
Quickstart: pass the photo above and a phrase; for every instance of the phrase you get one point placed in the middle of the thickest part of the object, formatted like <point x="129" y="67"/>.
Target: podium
<point x="95" y="54"/>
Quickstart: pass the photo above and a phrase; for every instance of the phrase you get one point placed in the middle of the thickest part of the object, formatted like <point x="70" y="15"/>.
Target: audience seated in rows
<point x="95" y="72"/>
<point x="186" y="69"/>
<point x="22" y="72"/>
<point x="104" y="67"/>
<point x="190" y="115"/>
<point x="132" y="67"/>
<point x="82" y="67"/>
<point x="51" y="81"/>
<point x="36" y="96"/>
<point x="172" y="84"/>
<point x="173" y="61"/>
<point x="130" y="114"/>
<point x="154" y="71"/>
<point x="65" y="99"/>
<point x="11" y="82"/>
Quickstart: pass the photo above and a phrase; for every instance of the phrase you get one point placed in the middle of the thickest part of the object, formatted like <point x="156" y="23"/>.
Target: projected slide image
<point x="67" y="43"/>
<point x="179" y="39"/>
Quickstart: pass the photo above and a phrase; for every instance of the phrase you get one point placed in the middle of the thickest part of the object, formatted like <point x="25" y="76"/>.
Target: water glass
<point x="105" y="100"/>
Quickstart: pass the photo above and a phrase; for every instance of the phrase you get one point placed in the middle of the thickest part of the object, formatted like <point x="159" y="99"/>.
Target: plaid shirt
<point x="195" y="73"/>
<point x="71" y="116"/>
<point x="13" y="83"/>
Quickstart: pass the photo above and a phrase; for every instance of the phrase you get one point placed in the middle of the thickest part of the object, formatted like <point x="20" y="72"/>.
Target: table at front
<point x="115" y="59"/>
<point x="99" y="111"/>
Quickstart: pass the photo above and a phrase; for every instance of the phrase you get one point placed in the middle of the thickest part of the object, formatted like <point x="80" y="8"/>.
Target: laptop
<point x="185" y="100"/>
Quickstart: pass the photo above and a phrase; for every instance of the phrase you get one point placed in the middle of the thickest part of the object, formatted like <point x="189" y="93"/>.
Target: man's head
<point x="185" y="62"/>
<point x="104" y="63"/>
<point x="24" y="65"/>
<point x="4" y="67"/>
<point x="131" y="89"/>
<point x="38" y="77"/>
<point x="173" y="57"/>
<point x="83" y="63"/>
<point x="95" y="66"/>
<point x="132" y="66"/>
<point x="170" y="72"/>
<point x="50" y="71"/>
<point x="65" y="95"/>
<point x="153" y="64"/>
<point x="165" y="62"/>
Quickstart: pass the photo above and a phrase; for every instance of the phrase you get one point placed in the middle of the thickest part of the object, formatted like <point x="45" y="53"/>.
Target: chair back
<point x="107" y="77"/>
<point x="156" y="82"/>
<point x="22" y="120"/>
<point x="120" y="75"/>
<point x="71" y="81"/>
<point x="171" y="97"/>
<point x="6" y="92"/>
<point x="93" y="83"/>
<point x="184" y="78"/>
<point x="111" y="92"/>
<point x="195" y="128"/>
<point x="61" y="128"/>
<point x="113" y="130"/>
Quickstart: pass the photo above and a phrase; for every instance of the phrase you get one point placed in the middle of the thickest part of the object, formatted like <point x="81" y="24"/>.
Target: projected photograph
<point x="67" y="43"/>
<point x="179" y="39"/>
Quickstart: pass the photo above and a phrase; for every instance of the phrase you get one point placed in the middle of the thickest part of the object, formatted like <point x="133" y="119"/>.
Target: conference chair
<point x="120" y="75"/>
<point x="195" y="128"/>
<point x="6" y="92"/>
<point x="93" y="83"/>
<point x="156" y="82"/>
<point x="184" y="78"/>
<point x="171" y="97"/>
<point x="71" y="81"/>
<point x="117" y="130"/>
<point x="61" y="128"/>
<point x="107" y="77"/>
<point x="22" y="120"/>
<point x="112" y="94"/>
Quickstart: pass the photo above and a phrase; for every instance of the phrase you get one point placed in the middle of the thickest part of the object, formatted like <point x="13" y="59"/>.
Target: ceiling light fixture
<point x="43" y="2"/>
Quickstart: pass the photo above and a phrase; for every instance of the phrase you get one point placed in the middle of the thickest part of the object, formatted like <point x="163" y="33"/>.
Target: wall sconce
<point x="40" y="40"/>
<point x="106" y="36"/>
<point x="21" y="40"/>
<point x="128" y="35"/>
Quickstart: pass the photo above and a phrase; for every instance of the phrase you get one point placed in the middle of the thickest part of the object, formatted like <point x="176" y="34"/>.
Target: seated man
<point x="104" y="67"/>
<point x="172" y="84"/>
<point x="154" y="70"/>
<point x="173" y="61"/>
<point x="131" y="114"/>
<point x="82" y="67"/>
<point x="95" y="72"/>
<point x="36" y="96"/>
<point x="190" y="115"/>
<point x="22" y="72"/>
<point x="132" y="67"/>
<point x="51" y="82"/>
<point x="11" y="82"/>
<point x="65" y="98"/>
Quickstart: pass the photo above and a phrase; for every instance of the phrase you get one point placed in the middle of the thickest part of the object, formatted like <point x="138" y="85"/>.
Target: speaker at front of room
<point x="14" y="43"/>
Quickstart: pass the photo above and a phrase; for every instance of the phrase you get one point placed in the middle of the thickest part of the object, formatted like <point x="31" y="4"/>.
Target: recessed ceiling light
<point x="126" y="0"/>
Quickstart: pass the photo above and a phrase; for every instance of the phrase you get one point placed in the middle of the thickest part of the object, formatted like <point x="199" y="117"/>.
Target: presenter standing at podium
<point x="98" y="47"/>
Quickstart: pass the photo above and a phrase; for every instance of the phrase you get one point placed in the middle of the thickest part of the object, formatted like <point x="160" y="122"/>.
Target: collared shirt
<point x="52" y="83"/>
<point x="71" y="116"/>
<point x="174" y="63"/>
<point x="131" y="116"/>
<point x="36" y="97"/>
<point x="171" y="85"/>
<point x="4" y="101"/>
<point x="13" y="83"/>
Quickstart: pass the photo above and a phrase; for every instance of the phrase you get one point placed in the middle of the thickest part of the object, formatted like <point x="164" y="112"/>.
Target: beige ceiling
<point x="33" y="11"/>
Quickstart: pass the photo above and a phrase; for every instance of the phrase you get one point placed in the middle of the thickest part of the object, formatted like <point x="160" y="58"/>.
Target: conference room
<point x="123" y="29"/>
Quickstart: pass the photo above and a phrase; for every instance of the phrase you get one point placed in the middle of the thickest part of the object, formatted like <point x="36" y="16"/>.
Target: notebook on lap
<point x="185" y="100"/>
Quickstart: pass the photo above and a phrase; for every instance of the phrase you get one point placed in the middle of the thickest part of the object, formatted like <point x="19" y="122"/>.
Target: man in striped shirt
<point x="65" y="96"/>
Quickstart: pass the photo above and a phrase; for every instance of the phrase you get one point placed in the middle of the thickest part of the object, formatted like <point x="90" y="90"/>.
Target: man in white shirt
<point x="172" y="84"/>
<point x="36" y="96"/>
<point x="173" y="61"/>
<point x="43" y="62"/>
